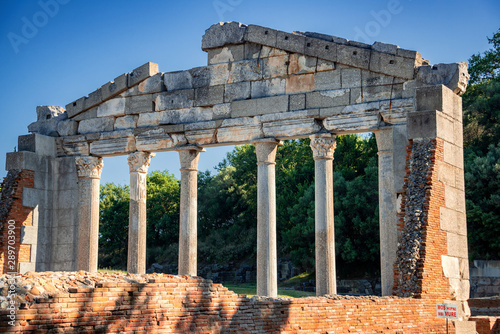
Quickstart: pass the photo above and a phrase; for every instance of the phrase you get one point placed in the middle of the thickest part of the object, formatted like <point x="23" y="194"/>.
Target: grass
<point x="250" y="289"/>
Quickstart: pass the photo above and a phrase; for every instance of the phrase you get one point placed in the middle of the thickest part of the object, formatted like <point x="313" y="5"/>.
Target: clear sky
<point x="56" y="51"/>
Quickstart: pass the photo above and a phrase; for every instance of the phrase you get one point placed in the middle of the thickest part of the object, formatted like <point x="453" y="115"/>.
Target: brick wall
<point x="429" y="281"/>
<point x="487" y="325"/>
<point x="22" y="215"/>
<point x="173" y="304"/>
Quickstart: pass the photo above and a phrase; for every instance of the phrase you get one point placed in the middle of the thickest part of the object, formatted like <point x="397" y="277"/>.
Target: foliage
<point x="481" y="104"/>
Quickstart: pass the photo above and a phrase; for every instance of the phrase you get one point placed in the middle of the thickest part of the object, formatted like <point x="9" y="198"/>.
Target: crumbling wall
<point x="14" y="214"/>
<point x="174" y="304"/>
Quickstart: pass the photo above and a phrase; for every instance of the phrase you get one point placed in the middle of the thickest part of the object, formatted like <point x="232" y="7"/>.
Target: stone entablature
<point x="260" y="83"/>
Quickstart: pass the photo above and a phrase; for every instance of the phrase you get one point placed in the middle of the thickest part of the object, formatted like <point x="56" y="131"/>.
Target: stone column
<point x="267" y="265"/>
<point x="387" y="199"/>
<point x="323" y="146"/>
<point x="138" y="163"/>
<point x="188" y="211"/>
<point x="89" y="174"/>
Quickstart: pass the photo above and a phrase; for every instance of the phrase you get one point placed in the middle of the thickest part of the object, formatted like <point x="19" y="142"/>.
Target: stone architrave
<point x="267" y="265"/>
<point x="188" y="210"/>
<point x="138" y="163"/>
<point x="89" y="174"/>
<point x="323" y="146"/>
<point x="387" y="209"/>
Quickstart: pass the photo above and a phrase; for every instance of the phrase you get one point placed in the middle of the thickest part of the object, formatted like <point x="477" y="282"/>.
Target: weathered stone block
<point x="223" y="33"/>
<point x="360" y="122"/>
<point x="45" y="127"/>
<point x="452" y="221"/>
<point x="300" y="83"/>
<point x="453" y="155"/>
<point x="290" y="128"/>
<point x="274" y="66"/>
<point x="261" y="106"/>
<point x="451" y="266"/>
<point x="44" y="113"/>
<point x="151" y="85"/>
<point x="290" y="42"/>
<point x="439" y="98"/>
<point x="229" y="53"/>
<point x="327" y="98"/>
<point x="126" y="122"/>
<point x="209" y="95"/>
<point x="218" y="74"/>
<point x="457" y="245"/>
<point x="246" y="70"/>
<point x="385" y="48"/>
<point x="96" y="125"/>
<point x="297" y="101"/>
<point x="327" y="80"/>
<point x="422" y="124"/>
<point x="75" y="145"/>
<point x="325" y="112"/>
<point x="237" y="91"/>
<point x="175" y="100"/>
<point x="156" y="139"/>
<point x="186" y="115"/>
<point x="200" y="76"/>
<point x="351" y="77"/>
<point x="67" y="128"/>
<point x="88" y="114"/>
<point x="113" y="107"/>
<point x="301" y="64"/>
<point x="353" y="56"/>
<point x="239" y="134"/>
<point x="392" y="65"/>
<point x="321" y="48"/>
<point x="149" y="119"/>
<point x="454" y="76"/>
<point x="221" y="111"/>
<point x="141" y="73"/>
<point x="178" y="80"/>
<point x="261" y="35"/>
<point x="113" y="146"/>
<point x="376" y="93"/>
<point x="115" y="87"/>
<point x="139" y="104"/>
<point x="201" y="137"/>
<point x="298" y="114"/>
<point x="270" y="87"/>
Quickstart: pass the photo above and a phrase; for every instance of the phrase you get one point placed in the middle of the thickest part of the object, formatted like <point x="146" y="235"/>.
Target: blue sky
<point x="75" y="46"/>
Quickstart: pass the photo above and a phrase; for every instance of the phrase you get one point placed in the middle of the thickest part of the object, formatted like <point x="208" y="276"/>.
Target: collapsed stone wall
<point x="12" y="209"/>
<point x="175" y="304"/>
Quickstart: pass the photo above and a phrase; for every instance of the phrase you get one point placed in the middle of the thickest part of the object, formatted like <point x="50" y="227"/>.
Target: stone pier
<point x="323" y="146"/>
<point x="188" y="211"/>
<point x="267" y="265"/>
<point x="138" y="166"/>
<point x="89" y="174"/>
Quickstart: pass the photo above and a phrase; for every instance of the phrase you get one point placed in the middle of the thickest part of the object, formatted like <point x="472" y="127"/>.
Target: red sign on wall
<point x="448" y="311"/>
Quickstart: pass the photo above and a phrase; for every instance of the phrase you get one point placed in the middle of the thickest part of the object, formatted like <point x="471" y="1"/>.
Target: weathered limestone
<point x="267" y="265"/>
<point x="138" y="166"/>
<point x="89" y="173"/>
<point x="323" y="146"/>
<point x="387" y="209"/>
<point x="188" y="260"/>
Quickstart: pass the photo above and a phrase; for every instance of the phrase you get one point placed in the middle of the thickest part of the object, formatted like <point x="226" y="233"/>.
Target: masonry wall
<point x="14" y="213"/>
<point x="174" y="304"/>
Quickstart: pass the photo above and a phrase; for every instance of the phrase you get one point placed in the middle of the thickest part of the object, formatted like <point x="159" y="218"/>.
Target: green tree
<point x="113" y="226"/>
<point x="481" y="103"/>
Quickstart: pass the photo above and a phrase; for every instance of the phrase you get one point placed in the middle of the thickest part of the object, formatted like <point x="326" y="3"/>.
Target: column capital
<point x="266" y="151"/>
<point x="385" y="140"/>
<point x="189" y="158"/>
<point x="89" y="167"/>
<point x="138" y="162"/>
<point x="323" y="146"/>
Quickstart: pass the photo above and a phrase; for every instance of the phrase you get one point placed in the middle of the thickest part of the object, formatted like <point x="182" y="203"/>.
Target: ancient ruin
<point x="262" y="86"/>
